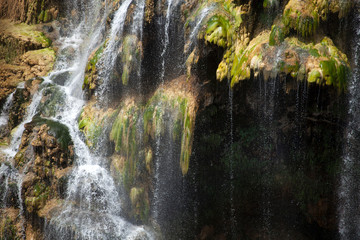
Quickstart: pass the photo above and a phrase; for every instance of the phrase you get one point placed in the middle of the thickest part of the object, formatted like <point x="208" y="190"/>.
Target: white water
<point x="137" y="29"/>
<point x="4" y="116"/>
<point x="138" y="19"/>
<point x="111" y="51"/>
<point x="92" y="206"/>
<point x="349" y="192"/>
<point x="170" y="7"/>
<point x="199" y="23"/>
<point x="16" y="137"/>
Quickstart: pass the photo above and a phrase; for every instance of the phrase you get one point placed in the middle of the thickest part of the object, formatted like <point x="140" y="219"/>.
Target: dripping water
<point x="349" y="189"/>
<point x="231" y="163"/>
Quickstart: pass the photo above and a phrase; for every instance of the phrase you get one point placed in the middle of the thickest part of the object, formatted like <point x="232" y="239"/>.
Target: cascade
<point x="349" y="192"/>
<point x="111" y="51"/>
<point x="92" y="206"/>
<point x="96" y="212"/>
<point x="166" y="37"/>
<point x="137" y="29"/>
<point x="4" y="116"/>
<point x="30" y="113"/>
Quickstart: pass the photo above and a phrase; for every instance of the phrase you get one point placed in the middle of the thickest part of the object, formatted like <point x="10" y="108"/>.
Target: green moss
<point x="181" y="123"/>
<point x="92" y="124"/>
<point x="140" y="204"/>
<point x="217" y="31"/>
<point x="276" y="36"/>
<point x="314" y="76"/>
<point x="36" y="199"/>
<point x="47" y="16"/>
<point x="302" y="16"/>
<point x="329" y="71"/>
<point x="125" y="136"/>
<point x="91" y="70"/>
<point x="222" y="27"/>
<point x="131" y="56"/>
<point x="41" y="16"/>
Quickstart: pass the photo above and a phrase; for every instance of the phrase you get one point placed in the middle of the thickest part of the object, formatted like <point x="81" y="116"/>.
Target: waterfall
<point x="349" y="190"/>
<point x="166" y="38"/>
<point x="92" y="209"/>
<point x="4" y="116"/>
<point x="30" y="113"/>
<point x="111" y="51"/>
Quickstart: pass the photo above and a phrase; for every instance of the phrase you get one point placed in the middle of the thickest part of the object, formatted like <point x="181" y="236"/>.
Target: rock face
<point x="30" y="12"/>
<point x="25" y="53"/>
<point x="43" y="160"/>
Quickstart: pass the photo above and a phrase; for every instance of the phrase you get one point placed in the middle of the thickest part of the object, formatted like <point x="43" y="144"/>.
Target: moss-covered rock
<point x="175" y="108"/>
<point x="24" y="32"/>
<point x="45" y="156"/>
<point x="140" y="204"/>
<point x="304" y="16"/>
<point x="51" y="102"/>
<point x="8" y="229"/>
<point x="92" y="122"/>
<point x="126" y="136"/>
<point x="24" y="54"/>
<point x="131" y="56"/>
<point x="91" y="71"/>
<point x="322" y="63"/>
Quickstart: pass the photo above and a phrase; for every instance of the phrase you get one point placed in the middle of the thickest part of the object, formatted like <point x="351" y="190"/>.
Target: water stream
<point x="111" y="51"/>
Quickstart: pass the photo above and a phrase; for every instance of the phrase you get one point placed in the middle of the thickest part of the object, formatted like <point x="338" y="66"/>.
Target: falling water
<point x="199" y="23"/>
<point x="166" y="37"/>
<point x="137" y="29"/>
<point x="111" y="51"/>
<point x="92" y="206"/>
<point x="231" y="163"/>
<point x="4" y="116"/>
<point x="30" y="113"/>
<point x="349" y="190"/>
